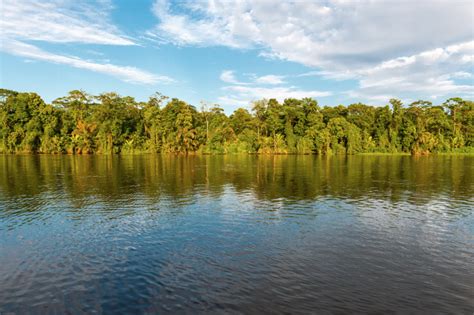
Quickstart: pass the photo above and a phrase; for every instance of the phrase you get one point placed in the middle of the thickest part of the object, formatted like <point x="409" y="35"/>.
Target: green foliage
<point x="109" y="123"/>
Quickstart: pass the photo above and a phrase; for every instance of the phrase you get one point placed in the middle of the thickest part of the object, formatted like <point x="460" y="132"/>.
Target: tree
<point x="260" y="111"/>
<point x="152" y="121"/>
<point x="80" y="123"/>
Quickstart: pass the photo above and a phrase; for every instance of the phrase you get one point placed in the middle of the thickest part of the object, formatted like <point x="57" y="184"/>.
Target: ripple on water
<point x="151" y="236"/>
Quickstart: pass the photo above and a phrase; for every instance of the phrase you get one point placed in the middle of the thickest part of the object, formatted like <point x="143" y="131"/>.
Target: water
<point x="279" y="234"/>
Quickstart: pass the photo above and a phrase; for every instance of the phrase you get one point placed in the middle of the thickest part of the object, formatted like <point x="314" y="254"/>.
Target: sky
<point x="232" y="53"/>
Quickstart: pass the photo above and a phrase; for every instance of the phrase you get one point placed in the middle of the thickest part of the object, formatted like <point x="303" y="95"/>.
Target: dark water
<point x="280" y="234"/>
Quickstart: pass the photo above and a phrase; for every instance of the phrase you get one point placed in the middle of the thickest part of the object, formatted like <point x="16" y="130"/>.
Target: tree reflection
<point x="121" y="180"/>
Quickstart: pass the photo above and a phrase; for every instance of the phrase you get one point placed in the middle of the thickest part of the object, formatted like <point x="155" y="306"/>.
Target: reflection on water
<point x="145" y="234"/>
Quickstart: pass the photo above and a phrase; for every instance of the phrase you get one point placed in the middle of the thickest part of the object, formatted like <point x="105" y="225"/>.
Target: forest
<point x="79" y="123"/>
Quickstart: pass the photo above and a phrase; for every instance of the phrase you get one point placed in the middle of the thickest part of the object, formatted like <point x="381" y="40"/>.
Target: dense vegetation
<point x="109" y="123"/>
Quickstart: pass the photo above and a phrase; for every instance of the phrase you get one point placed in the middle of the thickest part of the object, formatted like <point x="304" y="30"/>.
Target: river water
<point x="153" y="234"/>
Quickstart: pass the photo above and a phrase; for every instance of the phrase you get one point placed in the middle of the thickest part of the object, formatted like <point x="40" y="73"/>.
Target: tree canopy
<point x="79" y="123"/>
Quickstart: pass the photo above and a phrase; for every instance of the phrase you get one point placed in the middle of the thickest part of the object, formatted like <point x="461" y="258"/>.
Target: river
<point x="150" y="234"/>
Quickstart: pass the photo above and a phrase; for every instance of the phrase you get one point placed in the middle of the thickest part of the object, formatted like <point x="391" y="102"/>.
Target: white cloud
<point x="243" y="93"/>
<point x="279" y="93"/>
<point x="369" y="41"/>
<point x="127" y="74"/>
<point x="341" y="33"/>
<point x="181" y="29"/>
<point x="461" y="75"/>
<point x="229" y="77"/>
<point x="67" y="21"/>
<point x="60" y="22"/>
<point x="429" y="73"/>
<point x="233" y="102"/>
<point x="340" y="75"/>
<point x="270" y="79"/>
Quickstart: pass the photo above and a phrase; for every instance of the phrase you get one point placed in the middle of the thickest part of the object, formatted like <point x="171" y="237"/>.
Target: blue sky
<point x="231" y="53"/>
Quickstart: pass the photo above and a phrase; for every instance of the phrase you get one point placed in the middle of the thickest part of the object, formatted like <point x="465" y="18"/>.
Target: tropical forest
<point x="109" y="123"/>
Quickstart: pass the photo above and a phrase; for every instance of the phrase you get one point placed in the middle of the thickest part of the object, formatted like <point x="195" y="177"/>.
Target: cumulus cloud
<point x="212" y="29"/>
<point x="361" y="40"/>
<point x="319" y="33"/>
<point x="432" y="73"/>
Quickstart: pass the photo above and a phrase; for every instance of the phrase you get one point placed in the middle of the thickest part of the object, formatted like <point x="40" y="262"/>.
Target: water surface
<point x="279" y="234"/>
